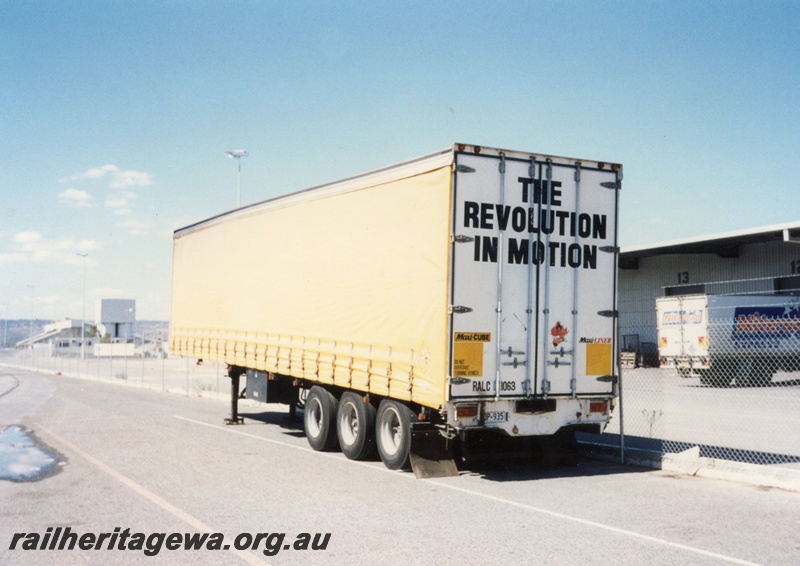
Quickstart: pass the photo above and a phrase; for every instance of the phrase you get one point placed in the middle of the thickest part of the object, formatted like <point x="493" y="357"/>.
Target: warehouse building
<point x="112" y="333"/>
<point x="761" y="261"/>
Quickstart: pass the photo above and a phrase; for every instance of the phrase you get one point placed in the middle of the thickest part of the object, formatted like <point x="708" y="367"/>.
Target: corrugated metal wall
<point x="754" y="272"/>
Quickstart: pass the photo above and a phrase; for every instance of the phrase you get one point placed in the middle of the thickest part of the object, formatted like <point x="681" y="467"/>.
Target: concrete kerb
<point x="689" y="462"/>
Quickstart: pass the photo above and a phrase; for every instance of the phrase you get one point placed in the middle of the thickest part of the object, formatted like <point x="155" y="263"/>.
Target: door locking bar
<point x="562" y="352"/>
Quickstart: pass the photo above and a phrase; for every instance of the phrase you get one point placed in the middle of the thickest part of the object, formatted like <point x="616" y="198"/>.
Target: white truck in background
<point x="471" y="291"/>
<point x="729" y="339"/>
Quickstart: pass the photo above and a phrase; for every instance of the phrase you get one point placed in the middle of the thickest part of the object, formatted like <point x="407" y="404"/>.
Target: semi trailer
<point x="729" y="339"/>
<point x="472" y="291"/>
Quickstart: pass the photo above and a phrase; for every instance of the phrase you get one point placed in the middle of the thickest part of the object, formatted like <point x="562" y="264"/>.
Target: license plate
<point x="495" y="416"/>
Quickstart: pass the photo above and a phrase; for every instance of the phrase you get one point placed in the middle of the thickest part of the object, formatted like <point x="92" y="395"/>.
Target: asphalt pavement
<point x="144" y="466"/>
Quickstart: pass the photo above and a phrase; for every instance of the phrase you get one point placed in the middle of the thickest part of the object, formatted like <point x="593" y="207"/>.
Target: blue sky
<point x="115" y="116"/>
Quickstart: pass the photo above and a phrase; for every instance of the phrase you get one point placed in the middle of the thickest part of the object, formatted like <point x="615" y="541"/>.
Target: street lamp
<point x="5" y="328"/>
<point x="30" y="322"/>
<point x="237" y="154"/>
<point x="83" y="318"/>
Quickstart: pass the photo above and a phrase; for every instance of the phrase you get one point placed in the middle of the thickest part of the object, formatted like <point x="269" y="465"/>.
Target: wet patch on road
<point x="8" y="383"/>
<point x="24" y="458"/>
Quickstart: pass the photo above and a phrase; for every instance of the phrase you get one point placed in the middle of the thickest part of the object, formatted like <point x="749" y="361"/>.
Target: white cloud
<point x="87" y="246"/>
<point x="124" y="179"/>
<point x="34" y="248"/>
<point x="120" y="199"/>
<point x="93" y="173"/>
<point x="99" y="172"/>
<point x="135" y="227"/>
<point x="75" y="197"/>
<point x="120" y="202"/>
<point x="14" y="257"/>
<point x="119" y="179"/>
<point x="27" y="237"/>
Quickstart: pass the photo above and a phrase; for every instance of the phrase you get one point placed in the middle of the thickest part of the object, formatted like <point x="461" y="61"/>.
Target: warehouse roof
<point x="725" y="244"/>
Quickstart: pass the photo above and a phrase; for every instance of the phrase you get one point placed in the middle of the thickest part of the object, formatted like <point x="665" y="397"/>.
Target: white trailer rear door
<point x="533" y="278"/>
<point x="682" y="326"/>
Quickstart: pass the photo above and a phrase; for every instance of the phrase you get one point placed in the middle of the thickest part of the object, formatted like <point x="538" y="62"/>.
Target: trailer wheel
<point x="393" y="433"/>
<point x="355" y="427"/>
<point x="320" y="419"/>
<point x="759" y="373"/>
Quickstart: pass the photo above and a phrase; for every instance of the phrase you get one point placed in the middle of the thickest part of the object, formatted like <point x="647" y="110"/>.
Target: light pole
<point x="5" y="328"/>
<point x="30" y="322"/>
<point x="83" y="316"/>
<point x="237" y="154"/>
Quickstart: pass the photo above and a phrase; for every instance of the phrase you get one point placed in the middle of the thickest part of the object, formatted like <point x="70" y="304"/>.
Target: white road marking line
<point x="305" y="448"/>
<point x="540" y="510"/>
<point x="603" y="526"/>
<point x="191" y="520"/>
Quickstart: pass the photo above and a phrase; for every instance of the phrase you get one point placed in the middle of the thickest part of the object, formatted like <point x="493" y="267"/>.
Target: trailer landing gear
<point x="235" y="372"/>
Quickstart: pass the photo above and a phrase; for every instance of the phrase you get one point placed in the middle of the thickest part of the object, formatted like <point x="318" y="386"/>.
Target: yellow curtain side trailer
<point x="473" y="289"/>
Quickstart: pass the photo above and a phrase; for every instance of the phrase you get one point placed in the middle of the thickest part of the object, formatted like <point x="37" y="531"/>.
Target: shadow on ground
<point x="493" y="458"/>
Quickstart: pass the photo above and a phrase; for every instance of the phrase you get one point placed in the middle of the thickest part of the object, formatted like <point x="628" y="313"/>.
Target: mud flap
<point x="431" y="453"/>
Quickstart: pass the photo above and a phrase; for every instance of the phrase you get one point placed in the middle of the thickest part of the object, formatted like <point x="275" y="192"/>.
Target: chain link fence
<point x="162" y="372"/>
<point x="718" y="373"/>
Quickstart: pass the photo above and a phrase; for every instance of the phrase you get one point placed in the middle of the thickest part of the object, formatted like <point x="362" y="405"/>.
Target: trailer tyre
<point x="320" y="419"/>
<point x="760" y="373"/>
<point x="393" y="433"/>
<point x="355" y="427"/>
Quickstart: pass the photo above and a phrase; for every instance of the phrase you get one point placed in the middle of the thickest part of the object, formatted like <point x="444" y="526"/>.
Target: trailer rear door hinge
<point x="464" y="169"/>
<point x="608" y="314"/>
<point x="458" y="309"/>
<point x="609" y="249"/>
<point x="459" y="380"/>
<point x="608" y="379"/>
<point x="460" y="239"/>
<point x="611" y="185"/>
